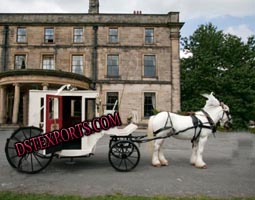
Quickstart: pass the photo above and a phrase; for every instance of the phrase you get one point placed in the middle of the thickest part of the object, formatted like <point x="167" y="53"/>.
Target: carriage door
<point x="54" y="115"/>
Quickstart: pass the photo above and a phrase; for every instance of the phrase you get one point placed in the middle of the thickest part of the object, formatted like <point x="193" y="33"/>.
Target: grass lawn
<point x="22" y="196"/>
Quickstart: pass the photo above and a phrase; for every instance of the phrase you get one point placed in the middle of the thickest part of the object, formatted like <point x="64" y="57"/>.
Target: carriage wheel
<point x="115" y="139"/>
<point x="124" y="155"/>
<point x="29" y="163"/>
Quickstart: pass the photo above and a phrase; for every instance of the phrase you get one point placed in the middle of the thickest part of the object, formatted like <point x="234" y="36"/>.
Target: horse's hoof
<point x="193" y="164"/>
<point x="202" y="167"/>
<point x="164" y="163"/>
<point x="156" y="165"/>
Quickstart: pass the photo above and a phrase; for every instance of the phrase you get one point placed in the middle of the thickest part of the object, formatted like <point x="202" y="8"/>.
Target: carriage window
<point x="75" y="108"/>
<point x="54" y="108"/>
<point x="42" y="110"/>
<point x="112" y="97"/>
<point x="90" y="108"/>
<point x="149" y="103"/>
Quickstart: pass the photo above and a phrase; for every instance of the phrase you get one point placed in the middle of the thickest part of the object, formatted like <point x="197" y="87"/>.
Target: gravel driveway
<point x="231" y="171"/>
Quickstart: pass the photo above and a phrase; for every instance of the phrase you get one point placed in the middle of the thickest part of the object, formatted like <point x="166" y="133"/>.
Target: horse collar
<point x="211" y="122"/>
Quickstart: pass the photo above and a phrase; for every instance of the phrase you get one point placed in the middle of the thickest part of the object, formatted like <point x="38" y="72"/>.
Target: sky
<point x="232" y="16"/>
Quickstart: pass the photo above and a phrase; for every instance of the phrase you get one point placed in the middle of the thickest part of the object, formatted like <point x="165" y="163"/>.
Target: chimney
<point x="137" y="12"/>
<point x="94" y="6"/>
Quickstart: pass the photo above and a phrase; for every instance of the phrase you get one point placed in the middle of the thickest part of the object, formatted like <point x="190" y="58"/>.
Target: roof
<point x="170" y="19"/>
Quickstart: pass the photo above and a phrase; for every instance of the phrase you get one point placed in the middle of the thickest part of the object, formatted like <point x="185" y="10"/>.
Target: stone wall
<point x="131" y="62"/>
<point x="131" y="98"/>
<point x="134" y="36"/>
<point x="62" y="56"/>
<point x="131" y="48"/>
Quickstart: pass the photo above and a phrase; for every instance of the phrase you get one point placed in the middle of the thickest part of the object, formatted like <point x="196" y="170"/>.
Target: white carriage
<point x="53" y="110"/>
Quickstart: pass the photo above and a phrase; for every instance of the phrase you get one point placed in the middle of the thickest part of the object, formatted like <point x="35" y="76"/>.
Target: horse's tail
<point x="150" y="134"/>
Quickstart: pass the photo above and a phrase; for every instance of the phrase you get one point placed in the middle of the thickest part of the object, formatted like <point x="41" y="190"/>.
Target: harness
<point x="198" y="125"/>
<point x="211" y="122"/>
<point x="168" y="125"/>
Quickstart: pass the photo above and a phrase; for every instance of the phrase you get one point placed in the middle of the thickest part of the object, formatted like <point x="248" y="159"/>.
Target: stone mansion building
<point x="132" y="58"/>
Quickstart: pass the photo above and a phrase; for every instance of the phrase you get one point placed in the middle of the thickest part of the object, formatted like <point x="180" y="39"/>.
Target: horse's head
<point x="226" y="119"/>
<point x="222" y="115"/>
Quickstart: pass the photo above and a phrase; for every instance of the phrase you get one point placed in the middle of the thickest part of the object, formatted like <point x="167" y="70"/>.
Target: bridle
<point x="225" y="112"/>
<point x="213" y="126"/>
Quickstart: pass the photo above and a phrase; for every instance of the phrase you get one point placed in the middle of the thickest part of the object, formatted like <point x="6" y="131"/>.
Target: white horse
<point x="196" y="127"/>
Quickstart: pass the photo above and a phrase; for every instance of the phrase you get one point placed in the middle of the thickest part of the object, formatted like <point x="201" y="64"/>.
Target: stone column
<point x="2" y="105"/>
<point x="15" y="112"/>
<point x="45" y="86"/>
<point x="175" y="66"/>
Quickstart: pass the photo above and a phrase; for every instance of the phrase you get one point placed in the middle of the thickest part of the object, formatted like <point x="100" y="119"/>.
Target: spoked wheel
<point x="115" y="139"/>
<point x="124" y="155"/>
<point x="28" y="163"/>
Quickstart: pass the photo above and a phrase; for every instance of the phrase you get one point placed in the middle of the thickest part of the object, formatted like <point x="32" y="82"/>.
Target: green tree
<point x="221" y="63"/>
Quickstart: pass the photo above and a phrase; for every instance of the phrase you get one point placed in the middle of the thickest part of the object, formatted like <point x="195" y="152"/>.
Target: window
<point x="112" y="97"/>
<point x="113" y="65"/>
<point x="90" y="109"/>
<point x="149" y="103"/>
<point x="54" y="108"/>
<point x="77" y="64"/>
<point x="113" y="35"/>
<point x="48" y="62"/>
<point x="75" y="107"/>
<point x="21" y="35"/>
<point x="20" y="62"/>
<point x="78" y="35"/>
<point x="41" y="111"/>
<point x="149" y="36"/>
<point x="49" y="35"/>
<point x="150" y="66"/>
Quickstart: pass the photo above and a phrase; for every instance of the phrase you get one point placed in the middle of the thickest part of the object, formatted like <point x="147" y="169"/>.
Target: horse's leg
<point x="193" y="157"/>
<point x="162" y="158"/>
<point x="199" y="161"/>
<point x="155" y="155"/>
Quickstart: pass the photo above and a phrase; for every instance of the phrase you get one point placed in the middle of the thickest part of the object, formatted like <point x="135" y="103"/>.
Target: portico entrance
<point x="15" y="86"/>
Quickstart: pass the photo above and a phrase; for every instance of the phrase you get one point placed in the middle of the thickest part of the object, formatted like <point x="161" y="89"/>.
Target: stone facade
<point x="130" y="84"/>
